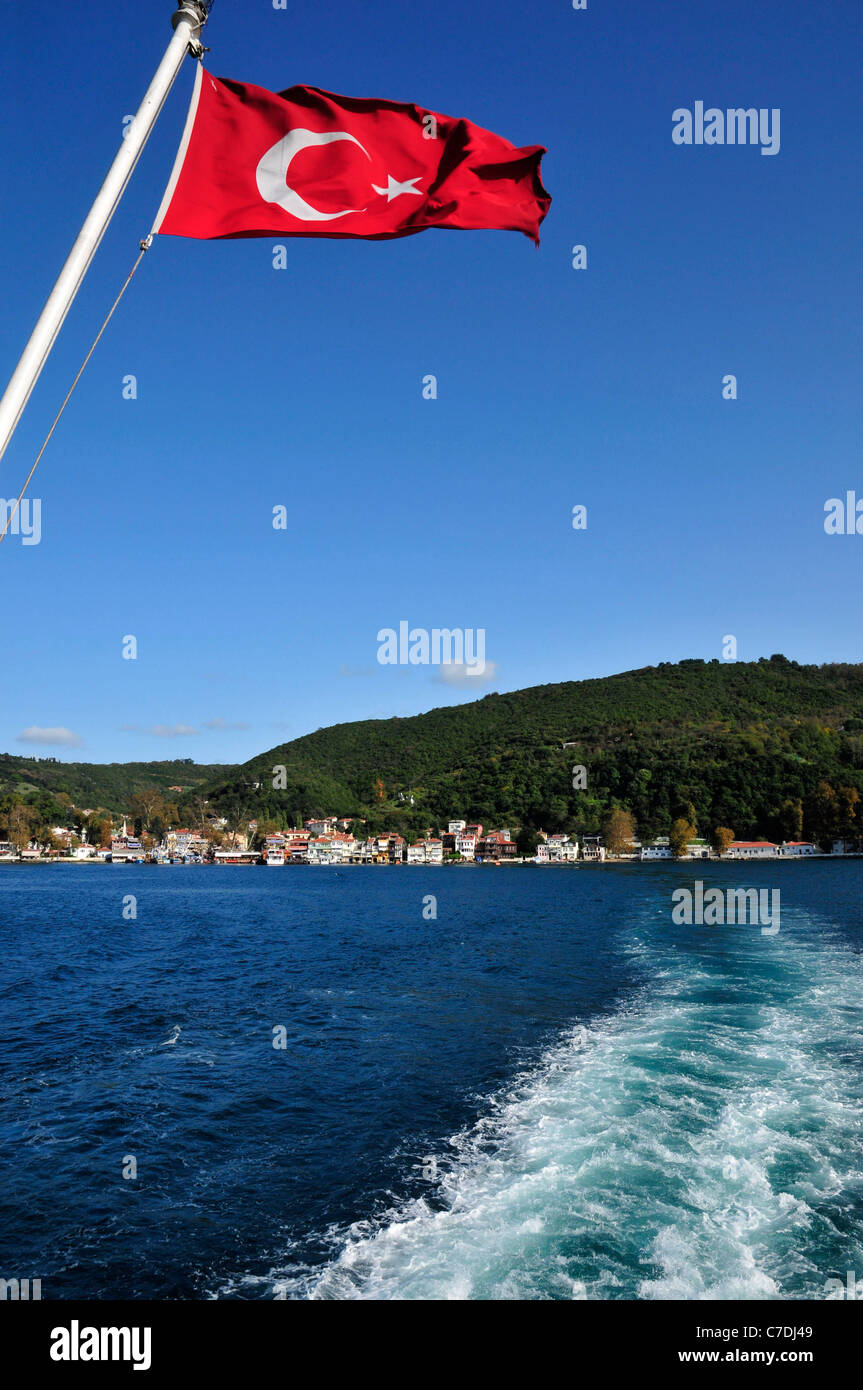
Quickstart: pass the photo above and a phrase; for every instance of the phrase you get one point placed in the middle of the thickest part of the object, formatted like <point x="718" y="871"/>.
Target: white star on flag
<point x="394" y="188"/>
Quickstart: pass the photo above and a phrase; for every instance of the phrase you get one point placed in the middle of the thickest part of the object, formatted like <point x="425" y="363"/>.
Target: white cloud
<point x="66" y="737"/>
<point x="458" y="673"/>
<point x="172" y="730"/>
<point x="222" y="724"/>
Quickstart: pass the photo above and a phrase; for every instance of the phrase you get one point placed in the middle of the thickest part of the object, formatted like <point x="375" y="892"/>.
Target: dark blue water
<point x="550" y="1091"/>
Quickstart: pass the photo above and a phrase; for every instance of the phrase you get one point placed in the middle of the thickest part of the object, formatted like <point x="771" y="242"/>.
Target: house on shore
<point x="557" y="849"/>
<point x="496" y="846"/>
<point x="593" y="850"/>
<point x="660" y="848"/>
<point x="698" y="849"/>
<point x="465" y="844"/>
<point x="752" y="849"/>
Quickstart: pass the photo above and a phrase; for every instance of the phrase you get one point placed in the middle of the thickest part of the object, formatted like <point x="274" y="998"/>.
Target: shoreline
<point x="458" y="864"/>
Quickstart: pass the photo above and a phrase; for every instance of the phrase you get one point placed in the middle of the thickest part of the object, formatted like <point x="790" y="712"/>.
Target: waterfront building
<point x="593" y="850"/>
<point x="562" y="848"/>
<point x="660" y="848"/>
<point x="397" y="849"/>
<point x="752" y="849"/>
<point x="178" y="843"/>
<point x="125" y="846"/>
<point x="496" y="846"/>
<point x="556" y="849"/>
<point x="332" y="848"/>
<point x="274" y="850"/>
<point x="389" y="848"/>
<point x="340" y="847"/>
<point x="236" y="856"/>
<point x="698" y="849"/>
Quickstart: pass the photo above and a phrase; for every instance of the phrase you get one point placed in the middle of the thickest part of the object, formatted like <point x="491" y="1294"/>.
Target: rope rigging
<point x="145" y="246"/>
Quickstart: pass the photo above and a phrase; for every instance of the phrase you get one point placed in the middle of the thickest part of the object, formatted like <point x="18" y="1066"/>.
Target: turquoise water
<point x="549" y="1091"/>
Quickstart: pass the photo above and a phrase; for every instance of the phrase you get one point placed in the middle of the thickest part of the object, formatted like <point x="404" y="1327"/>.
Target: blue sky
<point x="555" y="387"/>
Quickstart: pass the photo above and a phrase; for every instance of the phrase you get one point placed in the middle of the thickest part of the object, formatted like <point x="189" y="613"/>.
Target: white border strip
<point x="181" y="152"/>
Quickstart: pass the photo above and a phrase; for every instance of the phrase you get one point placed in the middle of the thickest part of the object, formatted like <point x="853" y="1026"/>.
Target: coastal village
<point x="331" y="840"/>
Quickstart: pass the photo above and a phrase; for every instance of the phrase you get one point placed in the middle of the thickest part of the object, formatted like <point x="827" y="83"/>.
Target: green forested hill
<point x="747" y="745"/>
<point x="737" y="741"/>
<point x="105" y="785"/>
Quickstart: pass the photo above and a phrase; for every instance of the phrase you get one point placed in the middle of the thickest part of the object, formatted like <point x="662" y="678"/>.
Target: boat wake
<point x="706" y="1143"/>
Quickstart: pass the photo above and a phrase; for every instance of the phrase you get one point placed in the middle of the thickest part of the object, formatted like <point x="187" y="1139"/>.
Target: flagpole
<point x="188" y="21"/>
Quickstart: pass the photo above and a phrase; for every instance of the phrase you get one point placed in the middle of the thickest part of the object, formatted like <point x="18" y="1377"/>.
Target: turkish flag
<point x="308" y="163"/>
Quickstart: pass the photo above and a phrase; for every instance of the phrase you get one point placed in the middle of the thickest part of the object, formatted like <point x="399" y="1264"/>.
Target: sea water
<point x="548" y="1091"/>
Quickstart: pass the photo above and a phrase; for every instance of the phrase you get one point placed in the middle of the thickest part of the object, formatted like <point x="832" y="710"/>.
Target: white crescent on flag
<point x="272" y="173"/>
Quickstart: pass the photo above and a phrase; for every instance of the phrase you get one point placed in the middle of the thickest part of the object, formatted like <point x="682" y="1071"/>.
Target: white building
<point x="698" y="849"/>
<point x="320" y="825"/>
<point x="751" y="849"/>
<point x="456" y="826"/>
<point x="796" y="848"/>
<point x="557" y="849"/>
<point x="465" y="844"/>
<point x="178" y="842"/>
<point x="593" y="850"/>
<point x="331" y="849"/>
<point x="657" y="849"/>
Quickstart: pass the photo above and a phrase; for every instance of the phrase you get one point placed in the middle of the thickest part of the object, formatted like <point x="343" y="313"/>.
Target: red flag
<point x="308" y="163"/>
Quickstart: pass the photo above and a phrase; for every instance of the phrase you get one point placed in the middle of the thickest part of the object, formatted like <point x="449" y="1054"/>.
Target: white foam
<point x="673" y="1152"/>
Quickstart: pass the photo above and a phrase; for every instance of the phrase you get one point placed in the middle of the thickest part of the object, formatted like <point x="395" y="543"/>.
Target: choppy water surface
<point x="550" y="1091"/>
